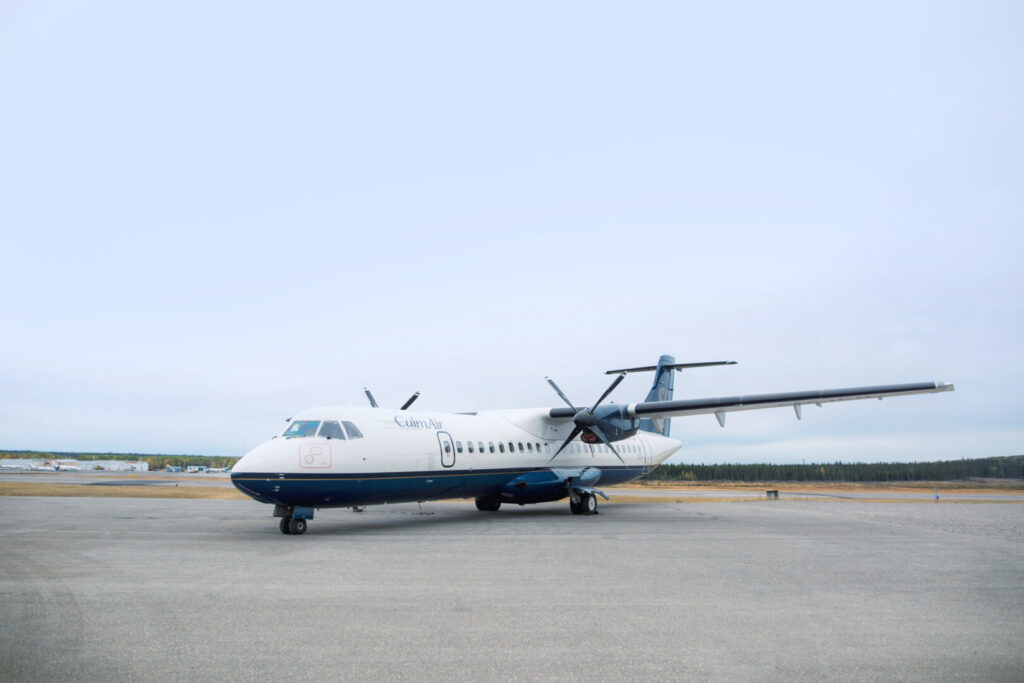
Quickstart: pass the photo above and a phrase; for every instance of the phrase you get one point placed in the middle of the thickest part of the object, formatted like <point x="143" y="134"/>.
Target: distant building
<point x="72" y="465"/>
<point x="122" y="465"/>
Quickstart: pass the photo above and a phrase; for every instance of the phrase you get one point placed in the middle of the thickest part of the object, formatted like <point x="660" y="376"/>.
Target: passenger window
<point x="480" y="446"/>
<point x="511" y="447"/>
<point x="331" y="430"/>
<point x="302" y="428"/>
<point x="447" y="447"/>
<point x="529" y="446"/>
<point x="353" y="431"/>
<point x="538" y="447"/>
<point x="501" y="446"/>
<point x="469" y="446"/>
<point x="490" y="446"/>
<point x="458" y="446"/>
<point x="520" y="446"/>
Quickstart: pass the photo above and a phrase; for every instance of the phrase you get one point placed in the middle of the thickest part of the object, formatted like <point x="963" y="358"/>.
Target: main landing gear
<point x="293" y="519"/>
<point x="583" y="503"/>
<point x="488" y="504"/>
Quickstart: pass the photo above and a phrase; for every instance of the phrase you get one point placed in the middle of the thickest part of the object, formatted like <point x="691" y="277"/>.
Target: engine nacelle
<point x="547" y="485"/>
<point x="613" y="421"/>
<point x="534" y="487"/>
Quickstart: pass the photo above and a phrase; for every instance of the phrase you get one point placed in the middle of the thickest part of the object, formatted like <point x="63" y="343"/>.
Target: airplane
<point x="333" y="457"/>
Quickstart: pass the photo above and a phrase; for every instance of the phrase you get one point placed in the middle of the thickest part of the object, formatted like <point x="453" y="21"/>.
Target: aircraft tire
<point x="576" y="508"/>
<point x="285" y="521"/>
<point x="487" y="504"/>
<point x="589" y="504"/>
<point x="297" y="527"/>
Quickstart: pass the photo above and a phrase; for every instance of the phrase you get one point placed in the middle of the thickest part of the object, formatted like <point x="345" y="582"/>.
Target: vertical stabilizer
<point x="660" y="391"/>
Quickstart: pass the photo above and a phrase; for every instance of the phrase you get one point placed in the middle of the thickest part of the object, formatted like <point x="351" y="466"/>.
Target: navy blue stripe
<point x="346" y="490"/>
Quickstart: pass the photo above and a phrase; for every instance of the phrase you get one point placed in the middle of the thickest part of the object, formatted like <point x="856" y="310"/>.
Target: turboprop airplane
<point x="352" y="457"/>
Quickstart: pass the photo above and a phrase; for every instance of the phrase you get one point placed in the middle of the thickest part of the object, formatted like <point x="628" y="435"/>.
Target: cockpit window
<point x="331" y="430"/>
<point x="302" y="428"/>
<point x="353" y="431"/>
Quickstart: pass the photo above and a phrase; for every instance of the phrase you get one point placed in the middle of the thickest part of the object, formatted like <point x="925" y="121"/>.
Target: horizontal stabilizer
<point x="673" y="366"/>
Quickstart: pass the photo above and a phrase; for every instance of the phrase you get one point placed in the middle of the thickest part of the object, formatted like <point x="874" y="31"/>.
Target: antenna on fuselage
<point x="410" y="401"/>
<point x="373" y="401"/>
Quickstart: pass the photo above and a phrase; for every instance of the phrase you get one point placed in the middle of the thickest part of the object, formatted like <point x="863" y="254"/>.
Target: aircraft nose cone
<point x="258" y="459"/>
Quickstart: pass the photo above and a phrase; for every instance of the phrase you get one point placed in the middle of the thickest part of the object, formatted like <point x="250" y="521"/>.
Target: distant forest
<point x="156" y="462"/>
<point x="1010" y="467"/>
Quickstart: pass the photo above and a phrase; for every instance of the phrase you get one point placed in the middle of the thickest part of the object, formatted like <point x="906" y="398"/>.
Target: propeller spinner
<point x="585" y="421"/>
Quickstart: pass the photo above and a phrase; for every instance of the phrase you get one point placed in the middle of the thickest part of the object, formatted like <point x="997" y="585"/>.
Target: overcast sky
<point x="213" y="215"/>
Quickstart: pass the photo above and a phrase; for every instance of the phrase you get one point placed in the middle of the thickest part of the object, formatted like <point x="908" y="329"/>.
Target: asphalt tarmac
<point x="158" y="589"/>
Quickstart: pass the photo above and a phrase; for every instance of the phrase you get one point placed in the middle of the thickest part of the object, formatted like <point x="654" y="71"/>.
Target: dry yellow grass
<point x="12" y="488"/>
<point x="880" y="487"/>
<point x="726" y="499"/>
<point x="8" y="488"/>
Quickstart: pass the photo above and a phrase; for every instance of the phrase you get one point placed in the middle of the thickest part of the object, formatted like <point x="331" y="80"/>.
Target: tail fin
<point x="661" y="390"/>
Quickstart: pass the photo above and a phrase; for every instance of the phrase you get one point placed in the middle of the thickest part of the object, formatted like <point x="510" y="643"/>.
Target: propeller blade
<point x="572" y="435"/>
<point x="559" y="392"/>
<point x="409" y="402"/>
<point x="373" y="402"/>
<point x="608" y="391"/>
<point x="604" y="439"/>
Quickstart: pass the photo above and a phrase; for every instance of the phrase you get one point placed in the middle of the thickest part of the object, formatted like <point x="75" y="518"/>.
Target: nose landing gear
<point x="293" y="526"/>
<point x="293" y="519"/>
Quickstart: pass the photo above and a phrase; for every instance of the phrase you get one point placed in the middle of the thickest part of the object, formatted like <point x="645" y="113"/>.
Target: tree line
<point x="156" y="462"/>
<point x="1009" y="467"/>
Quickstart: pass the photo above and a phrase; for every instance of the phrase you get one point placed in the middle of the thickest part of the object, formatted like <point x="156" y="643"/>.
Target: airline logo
<point x="413" y="423"/>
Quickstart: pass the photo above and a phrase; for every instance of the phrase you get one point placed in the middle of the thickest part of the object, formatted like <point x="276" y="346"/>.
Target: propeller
<point x="584" y="420"/>
<point x="373" y="401"/>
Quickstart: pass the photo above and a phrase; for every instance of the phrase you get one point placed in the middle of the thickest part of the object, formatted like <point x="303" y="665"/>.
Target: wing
<point x="727" y="404"/>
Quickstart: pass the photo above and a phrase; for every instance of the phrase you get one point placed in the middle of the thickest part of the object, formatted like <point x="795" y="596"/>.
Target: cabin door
<point x="447" y="446"/>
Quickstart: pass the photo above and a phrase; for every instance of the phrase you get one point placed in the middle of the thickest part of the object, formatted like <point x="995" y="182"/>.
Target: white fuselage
<point x="406" y="456"/>
<point x="403" y="441"/>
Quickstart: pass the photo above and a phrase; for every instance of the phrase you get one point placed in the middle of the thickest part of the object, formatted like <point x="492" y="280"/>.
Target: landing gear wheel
<point x="589" y="504"/>
<point x="487" y="504"/>
<point x="297" y="527"/>
<point x="285" y="521"/>
<point x="576" y="508"/>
